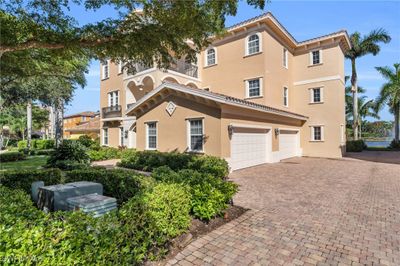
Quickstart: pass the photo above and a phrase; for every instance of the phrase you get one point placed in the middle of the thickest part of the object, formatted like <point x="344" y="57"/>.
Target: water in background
<point x="378" y="143"/>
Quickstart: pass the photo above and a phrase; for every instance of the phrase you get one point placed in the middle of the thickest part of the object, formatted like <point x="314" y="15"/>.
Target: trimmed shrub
<point x="67" y="152"/>
<point x="22" y="179"/>
<point x="169" y="206"/>
<point x="149" y="160"/>
<point x="12" y="156"/>
<point x="355" y="145"/>
<point x="118" y="183"/>
<point x="104" y="153"/>
<point x="395" y="144"/>
<point x="44" y="152"/>
<point x="86" y="141"/>
<point x="209" y="195"/>
<point x="37" y="144"/>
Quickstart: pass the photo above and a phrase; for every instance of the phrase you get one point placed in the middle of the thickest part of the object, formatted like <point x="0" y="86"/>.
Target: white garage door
<point x="249" y="147"/>
<point x="289" y="144"/>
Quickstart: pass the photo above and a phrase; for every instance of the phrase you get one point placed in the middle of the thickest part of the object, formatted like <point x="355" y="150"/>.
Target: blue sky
<point x="304" y="20"/>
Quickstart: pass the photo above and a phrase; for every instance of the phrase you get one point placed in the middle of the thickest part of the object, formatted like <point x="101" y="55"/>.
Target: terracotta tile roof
<point x="222" y="98"/>
<point x="92" y="125"/>
<point x="86" y="113"/>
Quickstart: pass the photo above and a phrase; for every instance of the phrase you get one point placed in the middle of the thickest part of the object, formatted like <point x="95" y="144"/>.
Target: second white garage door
<point x="250" y="147"/>
<point x="289" y="144"/>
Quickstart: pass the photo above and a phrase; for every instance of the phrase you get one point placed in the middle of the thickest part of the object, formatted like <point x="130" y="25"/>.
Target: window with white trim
<point x="315" y="57"/>
<point x="151" y="136"/>
<point x="211" y="57"/>
<point x="113" y="98"/>
<point x="316" y="95"/>
<point x="105" y="136"/>
<point x="285" y="58"/>
<point x="285" y="96"/>
<point x="105" y="68"/>
<point x="253" y="88"/>
<point x="196" y="134"/>
<point x="253" y="44"/>
<point x="317" y="133"/>
<point x="121" y="136"/>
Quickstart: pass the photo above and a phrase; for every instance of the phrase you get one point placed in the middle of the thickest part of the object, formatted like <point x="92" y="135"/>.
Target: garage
<point x="250" y="146"/>
<point x="289" y="144"/>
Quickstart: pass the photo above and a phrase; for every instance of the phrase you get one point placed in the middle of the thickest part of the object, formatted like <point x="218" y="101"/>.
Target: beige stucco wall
<point x="172" y="130"/>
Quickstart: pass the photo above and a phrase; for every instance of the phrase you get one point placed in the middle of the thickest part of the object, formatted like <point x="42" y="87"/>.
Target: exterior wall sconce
<point x="230" y="130"/>
<point x="276" y="132"/>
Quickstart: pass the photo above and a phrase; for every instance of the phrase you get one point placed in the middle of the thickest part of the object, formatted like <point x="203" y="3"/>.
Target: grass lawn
<point x="32" y="162"/>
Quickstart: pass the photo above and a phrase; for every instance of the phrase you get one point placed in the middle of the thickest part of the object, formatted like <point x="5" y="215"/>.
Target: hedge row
<point x="355" y="145"/>
<point x="105" y="153"/>
<point x="118" y="183"/>
<point x="38" y="144"/>
<point x="11" y="156"/>
<point x="209" y="195"/>
<point x="149" y="160"/>
<point x="138" y="231"/>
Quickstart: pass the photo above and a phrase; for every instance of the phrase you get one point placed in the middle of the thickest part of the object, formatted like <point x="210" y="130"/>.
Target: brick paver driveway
<point x="307" y="211"/>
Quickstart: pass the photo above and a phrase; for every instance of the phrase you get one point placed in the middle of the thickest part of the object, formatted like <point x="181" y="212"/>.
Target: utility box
<point x="93" y="204"/>
<point x="54" y="198"/>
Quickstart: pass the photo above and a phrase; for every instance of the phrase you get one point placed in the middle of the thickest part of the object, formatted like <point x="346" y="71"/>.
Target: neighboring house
<point x="71" y="121"/>
<point x="256" y="95"/>
<point x="90" y="128"/>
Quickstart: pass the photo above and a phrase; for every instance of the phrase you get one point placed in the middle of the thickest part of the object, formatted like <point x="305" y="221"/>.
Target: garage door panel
<point x="249" y="149"/>
<point x="288" y="144"/>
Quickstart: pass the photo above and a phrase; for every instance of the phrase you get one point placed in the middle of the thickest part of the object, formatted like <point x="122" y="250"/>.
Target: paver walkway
<point x="308" y="211"/>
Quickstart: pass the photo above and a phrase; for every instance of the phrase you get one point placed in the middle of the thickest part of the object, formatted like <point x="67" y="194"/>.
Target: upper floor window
<point x="285" y="96"/>
<point x="195" y="140"/>
<point x="113" y="98"/>
<point x="253" y="88"/>
<point x="315" y="57"/>
<point x="316" y="95"/>
<point x="151" y="138"/>
<point x="285" y="58"/>
<point x="253" y="44"/>
<point x="105" y="69"/>
<point x="211" y="57"/>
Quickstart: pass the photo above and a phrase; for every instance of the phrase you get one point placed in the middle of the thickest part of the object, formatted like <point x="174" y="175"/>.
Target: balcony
<point x="181" y="66"/>
<point x="111" y="111"/>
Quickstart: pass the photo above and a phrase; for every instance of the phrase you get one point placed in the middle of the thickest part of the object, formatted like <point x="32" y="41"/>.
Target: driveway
<point x="308" y="211"/>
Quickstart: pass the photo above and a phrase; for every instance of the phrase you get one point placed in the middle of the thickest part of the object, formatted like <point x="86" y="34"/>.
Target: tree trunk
<point x="354" y="89"/>
<point x="29" y="125"/>
<point x="396" y="122"/>
<point x="59" y="114"/>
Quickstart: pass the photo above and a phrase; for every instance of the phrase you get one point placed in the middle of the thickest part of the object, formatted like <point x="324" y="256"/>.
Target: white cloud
<point x="369" y="75"/>
<point x="93" y="73"/>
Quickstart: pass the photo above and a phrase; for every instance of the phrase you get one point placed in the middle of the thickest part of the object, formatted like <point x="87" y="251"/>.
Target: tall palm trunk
<point x="354" y="89"/>
<point x="59" y="114"/>
<point x="396" y="121"/>
<point x="29" y="125"/>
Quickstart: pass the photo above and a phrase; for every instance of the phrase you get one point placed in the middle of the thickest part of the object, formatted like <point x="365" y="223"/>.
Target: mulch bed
<point x="199" y="228"/>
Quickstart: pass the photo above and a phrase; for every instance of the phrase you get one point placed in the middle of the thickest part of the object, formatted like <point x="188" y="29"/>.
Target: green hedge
<point x="104" y="153"/>
<point x="355" y="145"/>
<point x="22" y="179"/>
<point x="149" y="160"/>
<point x="12" y="156"/>
<point x="209" y="195"/>
<point x="118" y="183"/>
<point x="37" y="144"/>
<point x="68" y="155"/>
<point x="130" y="236"/>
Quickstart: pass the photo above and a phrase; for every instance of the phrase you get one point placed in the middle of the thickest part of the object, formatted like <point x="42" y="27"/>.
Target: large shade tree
<point x="361" y="46"/>
<point x="390" y="95"/>
<point x="141" y="31"/>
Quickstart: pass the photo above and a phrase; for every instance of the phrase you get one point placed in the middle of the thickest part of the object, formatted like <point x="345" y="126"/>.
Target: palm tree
<point x="360" y="46"/>
<point x="365" y="109"/>
<point x="390" y="94"/>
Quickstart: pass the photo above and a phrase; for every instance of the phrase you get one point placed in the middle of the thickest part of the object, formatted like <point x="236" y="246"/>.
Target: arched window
<point x="211" y="57"/>
<point x="253" y="44"/>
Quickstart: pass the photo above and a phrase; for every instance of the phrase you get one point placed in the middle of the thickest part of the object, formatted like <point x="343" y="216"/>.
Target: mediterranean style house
<point x="255" y="95"/>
